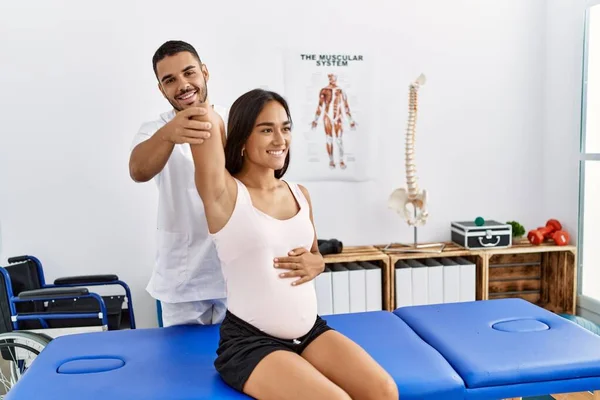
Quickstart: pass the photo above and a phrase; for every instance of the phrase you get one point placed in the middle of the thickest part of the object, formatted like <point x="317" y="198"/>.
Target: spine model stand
<point x="411" y="202"/>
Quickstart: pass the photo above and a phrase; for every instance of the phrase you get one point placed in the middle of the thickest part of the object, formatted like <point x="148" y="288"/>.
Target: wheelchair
<point x="27" y="302"/>
<point x="33" y="313"/>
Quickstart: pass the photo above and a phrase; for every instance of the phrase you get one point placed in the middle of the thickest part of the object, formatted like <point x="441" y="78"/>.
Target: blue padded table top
<point x="506" y="342"/>
<point x="176" y="363"/>
<point x="419" y="370"/>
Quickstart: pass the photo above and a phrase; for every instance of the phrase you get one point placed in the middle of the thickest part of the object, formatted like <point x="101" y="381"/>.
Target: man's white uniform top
<point x="187" y="267"/>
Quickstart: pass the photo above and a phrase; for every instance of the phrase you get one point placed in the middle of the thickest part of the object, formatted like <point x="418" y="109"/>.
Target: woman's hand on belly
<point x="300" y="263"/>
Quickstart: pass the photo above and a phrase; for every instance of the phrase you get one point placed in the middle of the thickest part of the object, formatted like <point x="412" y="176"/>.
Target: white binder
<point x="357" y="287"/>
<point x="403" y="282"/>
<point x="340" y="284"/>
<point x="324" y="292"/>
<point x="435" y="281"/>
<point x="420" y="284"/>
<point x="451" y="274"/>
<point x="467" y="279"/>
<point x="373" y="287"/>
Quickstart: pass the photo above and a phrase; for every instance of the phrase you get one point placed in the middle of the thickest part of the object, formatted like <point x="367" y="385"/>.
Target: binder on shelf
<point x="357" y="287"/>
<point x="323" y="288"/>
<point x="435" y="281"/>
<point x="451" y="272"/>
<point x="467" y="279"/>
<point x="340" y="284"/>
<point x="420" y="284"/>
<point x="373" y="286"/>
<point x="403" y="284"/>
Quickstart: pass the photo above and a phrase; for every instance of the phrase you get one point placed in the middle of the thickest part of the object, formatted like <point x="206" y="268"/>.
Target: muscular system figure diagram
<point x="411" y="202"/>
<point x="332" y="103"/>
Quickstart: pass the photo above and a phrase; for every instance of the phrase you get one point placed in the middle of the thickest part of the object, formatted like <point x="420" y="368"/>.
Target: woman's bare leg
<point x="349" y="366"/>
<point x="284" y="375"/>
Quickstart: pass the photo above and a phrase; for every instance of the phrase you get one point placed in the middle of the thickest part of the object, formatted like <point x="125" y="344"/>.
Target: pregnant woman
<point x="273" y="345"/>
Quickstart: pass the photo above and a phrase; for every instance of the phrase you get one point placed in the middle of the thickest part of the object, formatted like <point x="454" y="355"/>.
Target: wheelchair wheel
<point x="18" y="350"/>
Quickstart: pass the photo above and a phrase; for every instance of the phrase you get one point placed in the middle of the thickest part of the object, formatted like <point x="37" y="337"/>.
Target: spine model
<point x="410" y="201"/>
<point x="411" y="168"/>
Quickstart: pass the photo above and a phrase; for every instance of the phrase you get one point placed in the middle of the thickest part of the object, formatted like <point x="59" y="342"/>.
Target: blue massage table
<point x="475" y="350"/>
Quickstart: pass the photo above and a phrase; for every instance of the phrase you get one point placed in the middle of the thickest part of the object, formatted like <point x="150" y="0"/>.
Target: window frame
<point x="588" y="307"/>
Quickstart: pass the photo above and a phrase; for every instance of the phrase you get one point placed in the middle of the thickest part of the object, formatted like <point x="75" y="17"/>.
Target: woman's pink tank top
<point x="246" y="247"/>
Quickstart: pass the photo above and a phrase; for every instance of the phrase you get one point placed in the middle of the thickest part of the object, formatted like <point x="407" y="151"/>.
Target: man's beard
<point x="177" y="107"/>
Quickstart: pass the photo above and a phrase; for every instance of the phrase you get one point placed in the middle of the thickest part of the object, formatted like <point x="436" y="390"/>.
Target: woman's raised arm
<point x="215" y="185"/>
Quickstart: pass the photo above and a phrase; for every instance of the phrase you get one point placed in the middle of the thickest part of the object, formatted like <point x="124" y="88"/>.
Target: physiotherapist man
<point x="187" y="277"/>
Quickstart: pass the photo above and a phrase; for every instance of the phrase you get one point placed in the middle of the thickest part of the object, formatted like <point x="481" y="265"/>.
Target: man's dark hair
<point x="242" y="117"/>
<point x="171" y="48"/>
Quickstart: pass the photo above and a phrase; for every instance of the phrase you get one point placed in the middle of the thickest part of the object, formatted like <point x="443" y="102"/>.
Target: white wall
<point x="560" y="145"/>
<point x="76" y="82"/>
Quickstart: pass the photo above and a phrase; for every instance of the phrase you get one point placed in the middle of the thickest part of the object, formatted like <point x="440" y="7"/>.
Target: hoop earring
<point x="242" y="152"/>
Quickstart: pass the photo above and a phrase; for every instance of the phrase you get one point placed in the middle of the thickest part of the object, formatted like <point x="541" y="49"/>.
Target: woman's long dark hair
<point x="242" y="118"/>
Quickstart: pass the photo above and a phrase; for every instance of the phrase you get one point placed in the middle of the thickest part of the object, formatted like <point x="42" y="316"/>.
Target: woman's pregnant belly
<point x="258" y="295"/>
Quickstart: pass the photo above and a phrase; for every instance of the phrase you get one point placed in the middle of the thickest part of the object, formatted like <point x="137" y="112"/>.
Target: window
<point x="589" y="231"/>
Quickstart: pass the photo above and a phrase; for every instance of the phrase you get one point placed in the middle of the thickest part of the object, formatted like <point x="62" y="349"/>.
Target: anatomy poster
<point x="329" y="95"/>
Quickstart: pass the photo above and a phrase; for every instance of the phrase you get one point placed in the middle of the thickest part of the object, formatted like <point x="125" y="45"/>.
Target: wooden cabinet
<point x="545" y="275"/>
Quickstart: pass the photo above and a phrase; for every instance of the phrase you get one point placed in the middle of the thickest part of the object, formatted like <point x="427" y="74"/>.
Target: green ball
<point x="479" y="221"/>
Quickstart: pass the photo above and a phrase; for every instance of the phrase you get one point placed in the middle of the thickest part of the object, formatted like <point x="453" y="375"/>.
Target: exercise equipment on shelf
<point x="552" y="231"/>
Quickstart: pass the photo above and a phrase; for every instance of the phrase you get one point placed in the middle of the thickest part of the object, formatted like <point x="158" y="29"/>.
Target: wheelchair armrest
<point x="83" y="279"/>
<point x="50" y="293"/>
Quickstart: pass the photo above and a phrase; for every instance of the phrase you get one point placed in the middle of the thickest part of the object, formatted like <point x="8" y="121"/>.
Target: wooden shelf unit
<point x="450" y="250"/>
<point x="545" y="275"/>
<point x="367" y="254"/>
